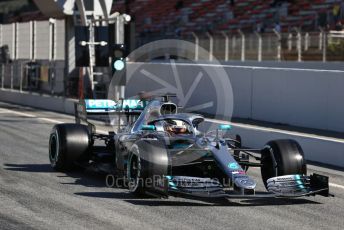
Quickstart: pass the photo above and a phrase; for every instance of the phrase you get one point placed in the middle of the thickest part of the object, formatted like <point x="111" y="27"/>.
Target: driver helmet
<point x="177" y="127"/>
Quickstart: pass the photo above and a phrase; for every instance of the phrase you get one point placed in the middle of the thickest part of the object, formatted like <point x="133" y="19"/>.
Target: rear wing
<point x="86" y="107"/>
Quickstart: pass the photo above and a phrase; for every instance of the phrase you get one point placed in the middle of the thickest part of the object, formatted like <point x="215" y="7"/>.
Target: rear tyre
<point x="282" y="157"/>
<point x="68" y="144"/>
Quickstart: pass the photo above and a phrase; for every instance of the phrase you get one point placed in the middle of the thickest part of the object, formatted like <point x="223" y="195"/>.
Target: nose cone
<point x="245" y="182"/>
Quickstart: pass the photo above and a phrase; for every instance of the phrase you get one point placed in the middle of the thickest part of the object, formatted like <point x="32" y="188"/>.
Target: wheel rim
<point x="53" y="148"/>
<point x="267" y="170"/>
<point x="134" y="172"/>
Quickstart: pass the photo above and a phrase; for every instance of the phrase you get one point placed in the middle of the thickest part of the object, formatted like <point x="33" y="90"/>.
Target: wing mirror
<point x="148" y="127"/>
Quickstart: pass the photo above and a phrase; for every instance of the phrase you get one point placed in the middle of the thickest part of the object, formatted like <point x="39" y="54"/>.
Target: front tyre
<point x="282" y="157"/>
<point x="148" y="164"/>
<point x="135" y="174"/>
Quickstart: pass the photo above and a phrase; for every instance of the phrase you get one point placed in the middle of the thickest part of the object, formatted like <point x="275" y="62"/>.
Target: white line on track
<point x="15" y="112"/>
<point x="54" y="121"/>
<point x="336" y="185"/>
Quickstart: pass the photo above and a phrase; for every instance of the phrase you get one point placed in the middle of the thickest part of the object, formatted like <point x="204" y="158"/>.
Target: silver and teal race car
<point x="158" y="151"/>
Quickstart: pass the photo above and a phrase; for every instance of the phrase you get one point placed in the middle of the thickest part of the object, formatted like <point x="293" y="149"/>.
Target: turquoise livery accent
<point x="233" y="165"/>
<point x="171" y="183"/>
<point x="225" y="127"/>
<point x="297" y="177"/>
<point x="299" y="182"/>
<point x="148" y="127"/>
<point x="132" y="104"/>
<point x="100" y="105"/>
<point x="169" y="177"/>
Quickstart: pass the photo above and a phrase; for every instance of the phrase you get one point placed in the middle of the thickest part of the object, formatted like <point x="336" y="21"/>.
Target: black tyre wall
<point x="73" y="143"/>
<point x="154" y="164"/>
<point x="287" y="155"/>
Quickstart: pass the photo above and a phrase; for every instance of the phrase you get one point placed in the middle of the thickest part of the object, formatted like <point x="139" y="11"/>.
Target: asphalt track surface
<point x="33" y="196"/>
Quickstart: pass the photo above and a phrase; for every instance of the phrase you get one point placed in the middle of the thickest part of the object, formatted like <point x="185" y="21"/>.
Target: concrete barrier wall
<point x="241" y="80"/>
<point x="301" y="98"/>
<point x="325" y="150"/>
<point x="308" y="98"/>
<point x="57" y="104"/>
<point x="317" y="149"/>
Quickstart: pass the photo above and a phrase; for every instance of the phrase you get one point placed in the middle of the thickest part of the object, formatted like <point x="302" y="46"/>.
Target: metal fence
<point x="34" y="77"/>
<point x="294" y="46"/>
<point x="37" y="53"/>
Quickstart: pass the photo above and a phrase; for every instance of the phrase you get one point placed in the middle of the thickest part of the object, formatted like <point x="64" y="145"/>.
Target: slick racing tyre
<point x="68" y="144"/>
<point x="282" y="157"/>
<point x="147" y="165"/>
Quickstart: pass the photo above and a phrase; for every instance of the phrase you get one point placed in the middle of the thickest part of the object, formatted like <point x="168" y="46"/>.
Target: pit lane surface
<point x="33" y="196"/>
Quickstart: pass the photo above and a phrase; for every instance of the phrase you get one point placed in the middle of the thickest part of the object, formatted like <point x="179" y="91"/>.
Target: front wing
<point x="290" y="186"/>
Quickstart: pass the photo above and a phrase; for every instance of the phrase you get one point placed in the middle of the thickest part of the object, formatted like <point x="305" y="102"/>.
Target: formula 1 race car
<point x="160" y="152"/>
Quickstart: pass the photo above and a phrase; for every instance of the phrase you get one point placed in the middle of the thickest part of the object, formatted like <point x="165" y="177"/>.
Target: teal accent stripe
<point x="169" y="177"/>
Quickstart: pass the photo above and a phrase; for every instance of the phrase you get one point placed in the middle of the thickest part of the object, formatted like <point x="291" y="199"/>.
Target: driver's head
<point x="177" y="127"/>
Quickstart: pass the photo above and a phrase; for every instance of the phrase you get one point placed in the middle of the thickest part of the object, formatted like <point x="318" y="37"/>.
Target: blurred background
<point x="41" y="51"/>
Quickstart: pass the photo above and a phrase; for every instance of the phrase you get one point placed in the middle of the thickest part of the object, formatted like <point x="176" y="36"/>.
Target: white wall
<point x="34" y="41"/>
<point x="24" y="40"/>
<point x="42" y="40"/>
<point x="241" y="80"/>
<point x="317" y="149"/>
<point x="57" y="104"/>
<point x="60" y="40"/>
<point x="7" y="37"/>
<point x="299" y="97"/>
